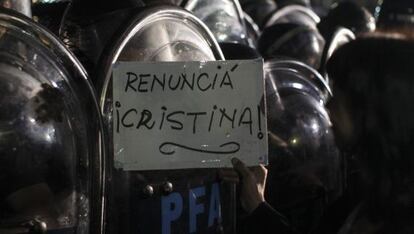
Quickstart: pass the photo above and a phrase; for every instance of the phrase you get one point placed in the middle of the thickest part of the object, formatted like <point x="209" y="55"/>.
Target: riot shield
<point x="224" y="18"/>
<point x="162" y="201"/>
<point x="294" y="14"/>
<point x="304" y="172"/>
<point x="339" y="38"/>
<point x="292" y="41"/>
<point x="347" y="14"/>
<point x="258" y="10"/>
<point x="87" y="29"/>
<point x="252" y="29"/>
<point x="51" y="135"/>
<point x="316" y="84"/>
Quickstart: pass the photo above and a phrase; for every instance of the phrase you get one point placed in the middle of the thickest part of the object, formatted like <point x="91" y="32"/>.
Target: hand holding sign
<point x="252" y="183"/>
<point x="174" y="115"/>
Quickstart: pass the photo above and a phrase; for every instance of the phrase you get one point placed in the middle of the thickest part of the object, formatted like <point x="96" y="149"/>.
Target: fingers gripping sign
<point x="252" y="183"/>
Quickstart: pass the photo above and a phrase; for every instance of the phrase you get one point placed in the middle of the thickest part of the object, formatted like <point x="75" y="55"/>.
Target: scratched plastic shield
<point x="224" y="18"/>
<point x="294" y="14"/>
<point x="167" y="201"/>
<point x="305" y="174"/>
<point x="50" y="131"/>
<point x="340" y="37"/>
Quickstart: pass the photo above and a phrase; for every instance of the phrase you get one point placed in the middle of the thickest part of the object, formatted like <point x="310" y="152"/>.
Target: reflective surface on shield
<point x="291" y="40"/>
<point x="223" y="17"/>
<point x="304" y="172"/>
<point x="308" y="78"/>
<point x="50" y="135"/>
<point x="347" y="14"/>
<point x="294" y="14"/>
<point x="252" y="30"/>
<point x="21" y="6"/>
<point x="86" y="29"/>
<point x="339" y="38"/>
<point x="50" y="15"/>
<point x="158" y="201"/>
<point x="258" y="10"/>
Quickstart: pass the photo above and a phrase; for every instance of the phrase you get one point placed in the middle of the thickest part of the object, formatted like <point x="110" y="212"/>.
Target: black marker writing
<point x="146" y="117"/>
<point x="198" y="122"/>
<point x="203" y="81"/>
<point x="246" y="119"/>
<point x="176" y="124"/>
<point x="234" y="148"/>
<point x="195" y="114"/>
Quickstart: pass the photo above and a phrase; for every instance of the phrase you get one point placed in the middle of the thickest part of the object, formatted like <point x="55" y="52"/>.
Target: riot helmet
<point x="349" y="15"/>
<point x="304" y="172"/>
<point x="51" y="135"/>
<point x="293" y="41"/>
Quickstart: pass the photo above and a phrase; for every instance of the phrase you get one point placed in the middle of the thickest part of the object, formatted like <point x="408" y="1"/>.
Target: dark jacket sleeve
<point x="266" y="220"/>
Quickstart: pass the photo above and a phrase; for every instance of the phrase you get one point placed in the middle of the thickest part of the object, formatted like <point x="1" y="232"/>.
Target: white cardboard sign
<point x="176" y="115"/>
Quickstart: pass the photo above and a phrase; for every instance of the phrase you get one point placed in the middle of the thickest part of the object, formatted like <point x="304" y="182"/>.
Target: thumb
<point x="240" y="167"/>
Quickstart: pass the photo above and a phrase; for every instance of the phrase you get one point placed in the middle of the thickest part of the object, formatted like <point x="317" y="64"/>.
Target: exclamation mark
<point x="117" y="105"/>
<point x="259" y="120"/>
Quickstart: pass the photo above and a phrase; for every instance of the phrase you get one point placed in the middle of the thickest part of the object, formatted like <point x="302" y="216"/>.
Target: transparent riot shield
<point x="347" y="14"/>
<point x="49" y="14"/>
<point x="224" y="18"/>
<point x="294" y="41"/>
<point x="158" y="201"/>
<point x="258" y="10"/>
<point x="294" y="14"/>
<point x="87" y="29"/>
<point x="339" y="38"/>
<point x="252" y="29"/>
<point x="22" y="6"/>
<point x="304" y="172"/>
<point x="51" y="148"/>
<point x="308" y="78"/>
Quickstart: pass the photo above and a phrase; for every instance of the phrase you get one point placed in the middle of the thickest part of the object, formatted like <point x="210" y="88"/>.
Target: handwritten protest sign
<point x="174" y="115"/>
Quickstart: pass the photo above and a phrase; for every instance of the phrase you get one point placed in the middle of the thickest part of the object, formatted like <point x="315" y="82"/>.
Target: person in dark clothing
<point x="373" y="118"/>
<point x="261" y="217"/>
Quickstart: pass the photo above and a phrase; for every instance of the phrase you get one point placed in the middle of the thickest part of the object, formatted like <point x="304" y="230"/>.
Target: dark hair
<point x="377" y="77"/>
